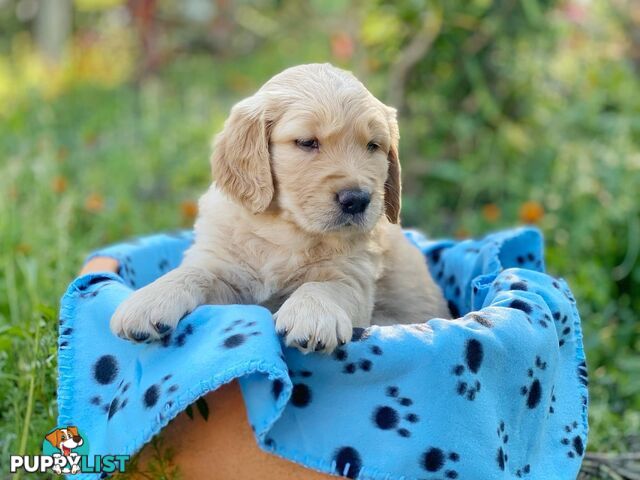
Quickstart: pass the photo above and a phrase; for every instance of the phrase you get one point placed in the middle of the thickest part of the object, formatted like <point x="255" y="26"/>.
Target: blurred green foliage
<point x="510" y="111"/>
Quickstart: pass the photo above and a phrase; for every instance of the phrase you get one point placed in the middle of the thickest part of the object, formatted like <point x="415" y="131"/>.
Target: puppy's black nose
<point x="77" y="438"/>
<point x="353" y="201"/>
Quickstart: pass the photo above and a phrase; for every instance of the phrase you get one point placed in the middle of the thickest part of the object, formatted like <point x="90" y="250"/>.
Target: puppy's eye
<point x="372" y="146"/>
<point x="308" y="144"/>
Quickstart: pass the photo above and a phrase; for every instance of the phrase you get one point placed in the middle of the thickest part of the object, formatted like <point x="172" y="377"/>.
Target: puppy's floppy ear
<point x="54" y="437"/>
<point x="392" y="186"/>
<point x="240" y="160"/>
<point x="73" y="430"/>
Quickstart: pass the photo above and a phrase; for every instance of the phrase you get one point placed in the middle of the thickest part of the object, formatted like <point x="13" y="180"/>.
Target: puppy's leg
<point x="319" y="316"/>
<point x="157" y="308"/>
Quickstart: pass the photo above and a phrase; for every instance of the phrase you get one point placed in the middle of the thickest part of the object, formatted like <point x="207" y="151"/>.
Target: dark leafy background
<point x="511" y="112"/>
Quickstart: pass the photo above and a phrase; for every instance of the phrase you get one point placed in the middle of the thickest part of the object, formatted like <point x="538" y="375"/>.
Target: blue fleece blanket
<point x="500" y="392"/>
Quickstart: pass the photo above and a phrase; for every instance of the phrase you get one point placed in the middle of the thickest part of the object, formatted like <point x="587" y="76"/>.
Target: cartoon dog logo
<point x="65" y="440"/>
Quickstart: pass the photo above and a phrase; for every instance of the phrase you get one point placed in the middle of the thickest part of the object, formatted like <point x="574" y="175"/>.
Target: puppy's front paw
<point x="148" y="314"/>
<point x="313" y="324"/>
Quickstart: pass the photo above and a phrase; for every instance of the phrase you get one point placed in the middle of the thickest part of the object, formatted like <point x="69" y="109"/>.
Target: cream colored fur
<point x="270" y="230"/>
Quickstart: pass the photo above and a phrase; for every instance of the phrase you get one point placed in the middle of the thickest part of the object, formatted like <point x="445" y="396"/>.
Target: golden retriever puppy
<point x="303" y="218"/>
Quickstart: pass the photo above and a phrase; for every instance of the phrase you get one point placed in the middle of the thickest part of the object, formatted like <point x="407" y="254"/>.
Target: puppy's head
<point x="314" y="145"/>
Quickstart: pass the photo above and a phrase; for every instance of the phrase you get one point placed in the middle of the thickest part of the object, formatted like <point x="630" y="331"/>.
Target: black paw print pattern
<point x="119" y="401"/>
<point x="434" y="258"/>
<point x="181" y="338"/>
<point x="533" y="390"/>
<point x="66" y="332"/>
<point x="347" y="462"/>
<point x="100" y="280"/>
<point x="533" y="312"/>
<point x="583" y="374"/>
<point x="564" y="330"/>
<point x="301" y="395"/>
<point x="435" y="255"/>
<point x="163" y="266"/>
<point x="93" y="293"/>
<point x="386" y="417"/>
<point x="363" y="364"/>
<point x="572" y="441"/>
<point x="127" y="272"/>
<point x="453" y="309"/>
<point x="468" y="386"/>
<point x="545" y="321"/>
<point x="177" y="339"/>
<point x="239" y="332"/>
<point x="552" y="403"/>
<point x="453" y="293"/>
<point x="523" y="306"/>
<point x="440" y="276"/>
<point x="276" y="388"/>
<point x="529" y="260"/>
<point x="524" y="471"/>
<point x="451" y="286"/>
<point x="152" y="395"/>
<point x="96" y="400"/>
<point x="435" y="460"/>
<point x="566" y="292"/>
<point x="105" y="371"/>
<point x="501" y="455"/>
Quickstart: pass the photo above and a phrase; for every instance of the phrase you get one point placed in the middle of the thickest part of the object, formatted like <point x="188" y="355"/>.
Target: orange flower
<point x="373" y="64"/>
<point x="531" y="212"/>
<point x="23" y="248"/>
<point x="94" y="203"/>
<point x="62" y="154"/>
<point x="91" y="139"/>
<point x="59" y="184"/>
<point x="491" y="212"/>
<point x="240" y="83"/>
<point x="461" y="233"/>
<point x="189" y="209"/>
<point x="342" y="46"/>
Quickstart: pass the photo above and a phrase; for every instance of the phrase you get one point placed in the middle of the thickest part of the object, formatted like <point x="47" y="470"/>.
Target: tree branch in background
<point x="627" y="14"/>
<point x="410" y="55"/>
<point x="53" y="28"/>
<point x="143" y="13"/>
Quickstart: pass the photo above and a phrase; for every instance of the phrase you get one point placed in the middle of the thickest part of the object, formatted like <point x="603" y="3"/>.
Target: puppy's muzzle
<point x="353" y="201"/>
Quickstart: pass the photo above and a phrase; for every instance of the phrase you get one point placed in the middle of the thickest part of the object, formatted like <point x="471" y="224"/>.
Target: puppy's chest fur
<point x="276" y="271"/>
